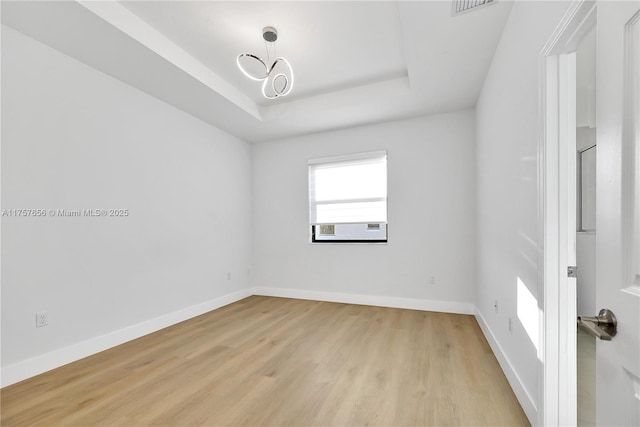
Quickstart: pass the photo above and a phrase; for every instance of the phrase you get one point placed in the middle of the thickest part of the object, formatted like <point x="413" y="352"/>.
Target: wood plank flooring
<point x="281" y="362"/>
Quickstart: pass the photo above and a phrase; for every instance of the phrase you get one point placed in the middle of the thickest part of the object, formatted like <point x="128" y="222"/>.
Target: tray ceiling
<point x="354" y="62"/>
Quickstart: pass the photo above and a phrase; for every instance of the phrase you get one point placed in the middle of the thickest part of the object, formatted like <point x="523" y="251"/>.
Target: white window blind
<point x="348" y="189"/>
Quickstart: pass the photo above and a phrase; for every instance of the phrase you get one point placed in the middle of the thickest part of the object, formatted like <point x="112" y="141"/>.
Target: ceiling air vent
<point x="462" y="6"/>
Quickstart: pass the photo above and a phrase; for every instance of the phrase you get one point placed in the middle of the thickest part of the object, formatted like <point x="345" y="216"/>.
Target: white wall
<point x="507" y="240"/>
<point x="431" y="190"/>
<point x="74" y="138"/>
<point x="586" y="137"/>
<point x="586" y="260"/>
<point x="586" y="240"/>
<point x="586" y="81"/>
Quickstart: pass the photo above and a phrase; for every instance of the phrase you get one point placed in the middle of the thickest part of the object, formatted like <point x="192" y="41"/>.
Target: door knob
<point x="603" y="326"/>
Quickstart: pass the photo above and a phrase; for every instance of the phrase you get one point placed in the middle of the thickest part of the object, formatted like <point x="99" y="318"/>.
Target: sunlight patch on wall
<point x="529" y="313"/>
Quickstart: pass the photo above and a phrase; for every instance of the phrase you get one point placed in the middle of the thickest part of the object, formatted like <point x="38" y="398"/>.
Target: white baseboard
<point x="380" y="301"/>
<point x="45" y="362"/>
<point x="525" y="399"/>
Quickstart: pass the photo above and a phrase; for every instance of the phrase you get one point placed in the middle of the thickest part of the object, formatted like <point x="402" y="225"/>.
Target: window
<point x="348" y="198"/>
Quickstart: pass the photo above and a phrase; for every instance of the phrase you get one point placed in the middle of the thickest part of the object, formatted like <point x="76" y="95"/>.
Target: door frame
<point x="557" y="374"/>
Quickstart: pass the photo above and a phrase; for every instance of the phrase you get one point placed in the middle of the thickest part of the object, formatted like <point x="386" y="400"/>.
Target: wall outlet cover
<point x="42" y="319"/>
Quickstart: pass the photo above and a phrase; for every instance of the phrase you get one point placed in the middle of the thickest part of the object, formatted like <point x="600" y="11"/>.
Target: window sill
<point x="347" y="243"/>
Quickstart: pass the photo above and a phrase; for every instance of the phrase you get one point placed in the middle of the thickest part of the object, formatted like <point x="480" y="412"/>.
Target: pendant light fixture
<point x="275" y="74"/>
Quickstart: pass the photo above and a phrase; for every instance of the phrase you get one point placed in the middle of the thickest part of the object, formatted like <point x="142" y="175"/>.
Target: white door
<point x="618" y="210"/>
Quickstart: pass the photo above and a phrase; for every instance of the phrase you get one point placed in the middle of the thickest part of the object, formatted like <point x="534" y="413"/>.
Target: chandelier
<point x="277" y="78"/>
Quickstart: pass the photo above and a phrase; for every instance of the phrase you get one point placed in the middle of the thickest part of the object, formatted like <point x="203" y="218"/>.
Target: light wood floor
<point x="281" y="362"/>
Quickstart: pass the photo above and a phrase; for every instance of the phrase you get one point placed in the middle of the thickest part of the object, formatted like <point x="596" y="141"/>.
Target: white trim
<point x="45" y="362"/>
<point x="567" y="331"/>
<point x="379" y="301"/>
<point x="557" y="378"/>
<point x="526" y="400"/>
<point x="348" y="157"/>
<point x="548" y="208"/>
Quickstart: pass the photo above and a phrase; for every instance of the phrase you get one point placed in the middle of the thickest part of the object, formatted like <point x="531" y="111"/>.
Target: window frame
<point x="313" y="235"/>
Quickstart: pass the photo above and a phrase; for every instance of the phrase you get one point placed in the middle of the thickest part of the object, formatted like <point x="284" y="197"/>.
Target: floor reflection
<point x="586" y="379"/>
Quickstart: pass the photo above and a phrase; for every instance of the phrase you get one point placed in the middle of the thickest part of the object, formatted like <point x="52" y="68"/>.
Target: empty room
<point x="320" y="213"/>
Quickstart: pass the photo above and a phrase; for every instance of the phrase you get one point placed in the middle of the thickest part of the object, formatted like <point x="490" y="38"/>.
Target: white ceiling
<point x="342" y="45"/>
<point x="354" y="62"/>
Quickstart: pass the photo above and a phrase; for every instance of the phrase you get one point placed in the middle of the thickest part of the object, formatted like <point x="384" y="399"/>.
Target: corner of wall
<point x="359" y="299"/>
<point x="45" y="362"/>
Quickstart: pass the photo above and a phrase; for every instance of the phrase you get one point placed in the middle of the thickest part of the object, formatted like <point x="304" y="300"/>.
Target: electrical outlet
<point x="510" y="325"/>
<point x="229" y="276"/>
<point x="495" y="306"/>
<point x="42" y="319"/>
<point x="432" y="280"/>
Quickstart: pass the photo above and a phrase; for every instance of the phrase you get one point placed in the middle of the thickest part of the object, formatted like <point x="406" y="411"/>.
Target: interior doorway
<point x="558" y="209"/>
<point x="586" y="155"/>
<point x="617" y="216"/>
